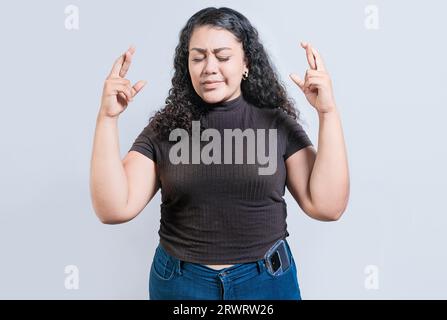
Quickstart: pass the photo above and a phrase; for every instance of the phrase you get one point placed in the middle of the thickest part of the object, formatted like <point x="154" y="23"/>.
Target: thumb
<point x="295" y="78"/>
<point x="138" y="86"/>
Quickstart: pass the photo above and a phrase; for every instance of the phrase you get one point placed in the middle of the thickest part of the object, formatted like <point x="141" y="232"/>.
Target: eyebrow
<point x="201" y="50"/>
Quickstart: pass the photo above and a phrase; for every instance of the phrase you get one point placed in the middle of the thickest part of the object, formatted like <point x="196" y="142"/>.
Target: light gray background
<point x="389" y="86"/>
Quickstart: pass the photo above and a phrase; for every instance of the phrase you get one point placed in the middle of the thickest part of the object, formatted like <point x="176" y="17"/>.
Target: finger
<point x="295" y="78"/>
<point x="309" y="55"/>
<point x="318" y="60"/>
<point x="117" y="66"/>
<point x="127" y="60"/>
<point x="138" y="86"/>
<point x="122" y="95"/>
<point x="313" y="83"/>
<point x="312" y="86"/>
<point x="118" y="81"/>
<point x="313" y="74"/>
<point x="126" y="90"/>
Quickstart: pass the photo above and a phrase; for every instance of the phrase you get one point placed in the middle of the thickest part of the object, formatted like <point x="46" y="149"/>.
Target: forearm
<point x="108" y="181"/>
<point x="329" y="180"/>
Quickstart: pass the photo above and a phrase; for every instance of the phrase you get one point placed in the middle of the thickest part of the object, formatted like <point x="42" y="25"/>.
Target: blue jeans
<point x="174" y="279"/>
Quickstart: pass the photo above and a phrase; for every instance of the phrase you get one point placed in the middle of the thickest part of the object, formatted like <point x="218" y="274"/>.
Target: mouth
<point x="211" y="84"/>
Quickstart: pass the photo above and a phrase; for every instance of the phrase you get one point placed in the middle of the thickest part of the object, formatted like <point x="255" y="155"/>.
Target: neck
<point x="225" y="105"/>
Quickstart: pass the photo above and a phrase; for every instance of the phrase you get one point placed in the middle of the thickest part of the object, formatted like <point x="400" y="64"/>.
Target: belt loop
<point x="179" y="266"/>
<point x="260" y="265"/>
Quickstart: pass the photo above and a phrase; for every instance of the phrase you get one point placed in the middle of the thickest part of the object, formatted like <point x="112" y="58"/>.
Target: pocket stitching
<point x="279" y="276"/>
<point x="164" y="269"/>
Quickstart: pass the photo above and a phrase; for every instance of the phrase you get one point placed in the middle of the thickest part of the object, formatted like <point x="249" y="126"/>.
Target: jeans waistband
<point x="237" y="271"/>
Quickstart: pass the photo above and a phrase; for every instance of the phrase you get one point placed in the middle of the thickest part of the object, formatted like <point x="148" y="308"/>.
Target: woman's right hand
<point x="118" y="91"/>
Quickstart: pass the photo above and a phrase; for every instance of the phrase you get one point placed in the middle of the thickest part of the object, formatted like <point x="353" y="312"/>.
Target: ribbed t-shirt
<point x="227" y="212"/>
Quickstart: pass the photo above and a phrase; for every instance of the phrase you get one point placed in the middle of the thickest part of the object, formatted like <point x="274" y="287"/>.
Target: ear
<point x="246" y="66"/>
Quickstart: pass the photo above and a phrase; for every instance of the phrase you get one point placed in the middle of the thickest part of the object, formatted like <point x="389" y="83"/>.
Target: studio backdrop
<point x="387" y="64"/>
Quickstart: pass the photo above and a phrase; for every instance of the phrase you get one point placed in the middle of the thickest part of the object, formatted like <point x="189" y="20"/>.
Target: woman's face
<point x="215" y="55"/>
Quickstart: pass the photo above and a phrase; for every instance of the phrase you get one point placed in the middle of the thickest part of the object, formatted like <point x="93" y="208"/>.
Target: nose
<point x="211" y="65"/>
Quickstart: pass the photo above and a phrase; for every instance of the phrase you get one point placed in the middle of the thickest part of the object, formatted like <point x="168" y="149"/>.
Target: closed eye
<point x="220" y="59"/>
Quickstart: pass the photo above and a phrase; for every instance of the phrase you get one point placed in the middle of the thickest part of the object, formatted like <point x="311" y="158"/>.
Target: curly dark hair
<point x="262" y="88"/>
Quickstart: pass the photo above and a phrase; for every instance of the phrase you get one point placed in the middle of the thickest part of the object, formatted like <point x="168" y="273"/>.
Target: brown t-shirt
<point x="227" y="212"/>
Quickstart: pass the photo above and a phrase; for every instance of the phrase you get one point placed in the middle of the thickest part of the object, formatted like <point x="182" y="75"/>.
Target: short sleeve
<point x="297" y="138"/>
<point x="145" y="144"/>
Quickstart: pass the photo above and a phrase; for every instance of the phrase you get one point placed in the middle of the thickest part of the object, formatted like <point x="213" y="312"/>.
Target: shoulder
<point x="278" y="117"/>
<point x="149" y="131"/>
<point x="271" y="113"/>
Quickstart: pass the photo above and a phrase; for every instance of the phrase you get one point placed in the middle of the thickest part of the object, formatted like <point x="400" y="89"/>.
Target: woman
<point x="223" y="220"/>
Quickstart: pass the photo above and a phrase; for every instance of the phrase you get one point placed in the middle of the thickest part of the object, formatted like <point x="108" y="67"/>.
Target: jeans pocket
<point x="291" y="265"/>
<point x="280" y="275"/>
<point x="163" y="265"/>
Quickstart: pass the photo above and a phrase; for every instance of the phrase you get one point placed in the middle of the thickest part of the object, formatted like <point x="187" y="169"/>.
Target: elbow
<point x="332" y="210"/>
<point x="332" y="213"/>
<point x="108" y="218"/>
<point x="328" y="215"/>
<point x="334" y="216"/>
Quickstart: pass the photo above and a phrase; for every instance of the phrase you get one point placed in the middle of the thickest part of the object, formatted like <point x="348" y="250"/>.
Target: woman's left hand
<point x="317" y="85"/>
